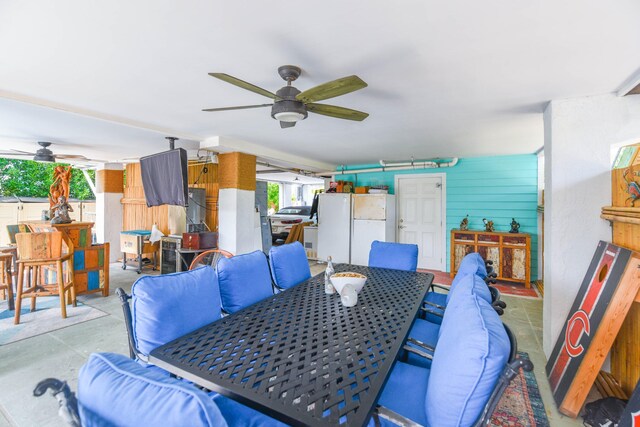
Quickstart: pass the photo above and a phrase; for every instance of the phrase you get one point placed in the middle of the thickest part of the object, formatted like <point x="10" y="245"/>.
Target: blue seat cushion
<point x="168" y="306"/>
<point x="397" y="256"/>
<point x="426" y="332"/>
<point x="405" y="390"/>
<point x="289" y="265"/>
<point x="244" y="280"/>
<point x="238" y="415"/>
<point x="473" y="348"/>
<point x="114" y="390"/>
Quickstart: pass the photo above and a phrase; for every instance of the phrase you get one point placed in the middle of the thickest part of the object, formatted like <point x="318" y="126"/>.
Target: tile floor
<point x="61" y="353"/>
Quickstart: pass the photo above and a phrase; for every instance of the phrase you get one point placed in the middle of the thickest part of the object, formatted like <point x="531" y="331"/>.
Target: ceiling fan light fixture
<point x="289" y="116"/>
<point x="44" y="154"/>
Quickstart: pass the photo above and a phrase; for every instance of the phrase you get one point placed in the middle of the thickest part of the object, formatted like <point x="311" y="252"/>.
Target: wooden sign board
<point x="605" y="296"/>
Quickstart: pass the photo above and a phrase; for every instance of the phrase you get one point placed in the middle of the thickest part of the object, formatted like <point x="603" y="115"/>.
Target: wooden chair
<point x="40" y="255"/>
<point x="297" y="232"/>
<point x="209" y="257"/>
<point x="6" y="280"/>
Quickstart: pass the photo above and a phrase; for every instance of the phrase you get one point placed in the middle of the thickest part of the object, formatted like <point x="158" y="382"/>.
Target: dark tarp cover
<point x="164" y="178"/>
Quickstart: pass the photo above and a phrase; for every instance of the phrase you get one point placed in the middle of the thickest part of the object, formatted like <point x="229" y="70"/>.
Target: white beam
<point x="222" y="144"/>
<point x="98" y="115"/>
<point x="629" y="84"/>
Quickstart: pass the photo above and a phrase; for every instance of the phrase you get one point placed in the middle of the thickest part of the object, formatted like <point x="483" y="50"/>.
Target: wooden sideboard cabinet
<point x="510" y="252"/>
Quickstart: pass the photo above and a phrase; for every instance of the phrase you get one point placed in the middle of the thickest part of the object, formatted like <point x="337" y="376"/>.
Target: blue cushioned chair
<point x="397" y="256"/>
<point x="424" y="334"/>
<point x="115" y="391"/>
<point x="168" y="306"/>
<point x="244" y="280"/>
<point x="469" y="372"/>
<point x="436" y="301"/>
<point x="289" y="265"/>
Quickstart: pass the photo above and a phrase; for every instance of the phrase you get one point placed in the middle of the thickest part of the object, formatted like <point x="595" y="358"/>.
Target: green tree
<point x="26" y="178"/>
<point x="273" y="195"/>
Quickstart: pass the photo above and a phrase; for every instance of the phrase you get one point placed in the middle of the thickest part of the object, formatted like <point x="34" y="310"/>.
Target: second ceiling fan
<point x="290" y="105"/>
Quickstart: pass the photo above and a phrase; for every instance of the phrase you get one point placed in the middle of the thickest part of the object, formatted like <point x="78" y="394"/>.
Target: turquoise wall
<point x="497" y="188"/>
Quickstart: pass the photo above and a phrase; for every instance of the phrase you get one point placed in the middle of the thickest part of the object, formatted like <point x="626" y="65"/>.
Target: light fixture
<point x="288" y="109"/>
<point x="44" y="154"/>
<point x="289" y="116"/>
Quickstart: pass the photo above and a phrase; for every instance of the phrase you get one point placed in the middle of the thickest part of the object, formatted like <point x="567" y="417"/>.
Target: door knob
<point x="402" y="226"/>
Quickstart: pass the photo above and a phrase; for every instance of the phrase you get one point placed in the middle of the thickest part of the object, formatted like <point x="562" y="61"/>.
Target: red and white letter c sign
<point x="576" y="326"/>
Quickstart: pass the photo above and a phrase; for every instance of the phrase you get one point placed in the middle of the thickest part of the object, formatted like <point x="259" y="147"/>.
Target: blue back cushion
<point x="289" y="265"/>
<point x="398" y="256"/>
<point x="244" y="280"/>
<point x="168" y="306"/>
<point x="473" y="263"/>
<point x="472" y="350"/>
<point x="114" y="390"/>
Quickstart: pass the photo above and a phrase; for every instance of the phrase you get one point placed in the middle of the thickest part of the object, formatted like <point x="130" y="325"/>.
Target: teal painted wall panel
<point x="497" y="188"/>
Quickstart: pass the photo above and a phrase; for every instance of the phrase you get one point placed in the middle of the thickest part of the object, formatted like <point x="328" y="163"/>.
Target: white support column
<point x="109" y="192"/>
<point x="236" y="219"/>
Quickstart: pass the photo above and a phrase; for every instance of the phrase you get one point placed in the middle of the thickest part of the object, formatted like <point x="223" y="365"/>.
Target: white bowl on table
<point x="357" y="280"/>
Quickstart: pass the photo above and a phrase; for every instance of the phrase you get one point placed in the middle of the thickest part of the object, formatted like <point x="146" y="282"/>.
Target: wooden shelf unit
<point x="510" y="252"/>
<point x="90" y="261"/>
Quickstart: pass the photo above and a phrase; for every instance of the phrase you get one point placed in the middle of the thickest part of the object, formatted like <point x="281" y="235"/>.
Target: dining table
<point x="302" y="357"/>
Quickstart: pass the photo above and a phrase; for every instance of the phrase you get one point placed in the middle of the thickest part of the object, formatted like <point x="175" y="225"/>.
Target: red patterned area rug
<point x="521" y="404"/>
<point x="506" y="288"/>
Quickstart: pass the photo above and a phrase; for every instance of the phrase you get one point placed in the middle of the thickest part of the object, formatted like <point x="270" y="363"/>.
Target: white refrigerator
<point x="374" y="218"/>
<point x="334" y="227"/>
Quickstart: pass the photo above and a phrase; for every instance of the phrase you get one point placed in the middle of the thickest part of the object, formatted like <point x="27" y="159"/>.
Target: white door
<point x="421" y="218"/>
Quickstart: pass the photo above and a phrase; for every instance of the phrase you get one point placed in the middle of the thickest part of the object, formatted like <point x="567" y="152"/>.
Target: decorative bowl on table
<point x="356" y="280"/>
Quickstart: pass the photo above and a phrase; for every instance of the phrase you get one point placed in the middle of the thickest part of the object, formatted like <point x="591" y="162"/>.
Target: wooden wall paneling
<point x="109" y="181"/>
<point x="625" y="353"/>
<point x="624" y="215"/>
<point x="136" y="214"/>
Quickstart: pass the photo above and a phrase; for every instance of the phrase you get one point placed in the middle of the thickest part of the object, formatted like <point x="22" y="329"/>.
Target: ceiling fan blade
<point x="15" y="153"/>
<point x="242" y="107"/>
<point x="284" y="125"/>
<point x="332" y="89"/>
<point x="337" y="112"/>
<point x="244" y="85"/>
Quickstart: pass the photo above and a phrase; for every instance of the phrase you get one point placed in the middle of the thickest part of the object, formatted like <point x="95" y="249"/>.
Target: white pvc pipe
<point x="422" y="164"/>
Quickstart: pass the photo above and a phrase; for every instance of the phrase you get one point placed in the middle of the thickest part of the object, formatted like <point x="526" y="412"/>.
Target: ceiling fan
<point x="290" y="105"/>
<point x="43" y="154"/>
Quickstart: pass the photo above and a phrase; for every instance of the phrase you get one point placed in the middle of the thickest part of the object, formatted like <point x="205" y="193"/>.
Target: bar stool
<point x="6" y="280"/>
<point x="38" y="255"/>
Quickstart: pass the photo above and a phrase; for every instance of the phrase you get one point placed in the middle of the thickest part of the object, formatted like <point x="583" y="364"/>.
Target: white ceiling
<point x="457" y="78"/>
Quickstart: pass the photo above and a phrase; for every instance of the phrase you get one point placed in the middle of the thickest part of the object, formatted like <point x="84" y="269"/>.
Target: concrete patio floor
<point x="61" y="353"/>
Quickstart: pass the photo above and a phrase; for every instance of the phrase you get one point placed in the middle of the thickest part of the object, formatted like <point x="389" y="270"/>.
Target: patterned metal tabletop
<point x="300" y="356"/>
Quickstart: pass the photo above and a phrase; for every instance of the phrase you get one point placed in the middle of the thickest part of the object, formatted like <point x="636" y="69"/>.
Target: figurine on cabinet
<point x="515" y="226"/>
<point x="488" y="225"/>
<point x="61" y="211"/>
<point x="464" y="224"/>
